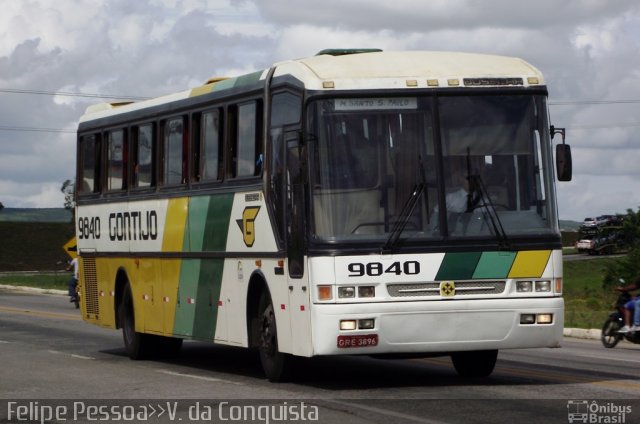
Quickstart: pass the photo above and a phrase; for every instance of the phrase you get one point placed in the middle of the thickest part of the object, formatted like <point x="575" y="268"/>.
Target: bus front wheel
<point x="474" y="364"/>
<point x="276" y="365"/>
<point x="140" y="345"/>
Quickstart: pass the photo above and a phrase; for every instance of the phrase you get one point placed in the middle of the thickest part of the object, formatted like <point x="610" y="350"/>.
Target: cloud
<point x="587" y="49"/>
<point x="418" y="16"/>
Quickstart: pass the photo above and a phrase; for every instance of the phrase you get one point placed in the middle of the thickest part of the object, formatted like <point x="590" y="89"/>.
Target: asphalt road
<point x="51" y="359"/>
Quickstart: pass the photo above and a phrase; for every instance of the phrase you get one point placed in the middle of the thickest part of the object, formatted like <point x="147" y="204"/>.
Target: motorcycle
<point x="610" y="336"/>
<point x="76" y="299"/>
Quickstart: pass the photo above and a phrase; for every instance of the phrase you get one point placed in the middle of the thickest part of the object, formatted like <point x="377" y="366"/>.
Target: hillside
<point x="35" y="215"/>
<point x="569" y="225"/>
<point x="33" y="246"/>
<point x="32" y="239"/>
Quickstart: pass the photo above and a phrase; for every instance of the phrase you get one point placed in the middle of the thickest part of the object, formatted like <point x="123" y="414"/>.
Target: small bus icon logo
<point x="578" y="410"/>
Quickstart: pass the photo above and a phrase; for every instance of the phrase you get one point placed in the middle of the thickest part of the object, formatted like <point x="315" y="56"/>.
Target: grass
<point x="587" y="304"/>
<point x="44" y="281"/>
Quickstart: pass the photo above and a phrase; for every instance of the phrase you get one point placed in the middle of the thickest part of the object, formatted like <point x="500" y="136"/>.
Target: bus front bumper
<point x="437" y="326"/>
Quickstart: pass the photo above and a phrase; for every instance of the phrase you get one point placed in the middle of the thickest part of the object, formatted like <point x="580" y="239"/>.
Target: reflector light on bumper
<point x="526" y="319"/>
<point x="361" y="324"/>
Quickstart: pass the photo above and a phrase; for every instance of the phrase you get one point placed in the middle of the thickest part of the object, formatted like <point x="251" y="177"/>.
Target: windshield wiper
<point x="476" y="183"/>
<point x="403" y="219"/>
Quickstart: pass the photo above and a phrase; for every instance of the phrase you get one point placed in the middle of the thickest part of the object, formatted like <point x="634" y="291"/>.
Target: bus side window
<point x="246" y="147"/>
<point x="143" y="165"/>
<point x="210" y="146"/>
<point x="116" y="160"/>
<point x="174" y="144"/>
<point x="286" y="109"/>
<point x="89" y="175"/>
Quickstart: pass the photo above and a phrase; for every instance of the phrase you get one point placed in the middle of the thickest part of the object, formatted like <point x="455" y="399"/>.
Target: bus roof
<point x="365" y="70"/>
<point x="410" y="69"/>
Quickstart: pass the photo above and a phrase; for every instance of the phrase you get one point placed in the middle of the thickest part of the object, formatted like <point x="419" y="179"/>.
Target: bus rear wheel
<point x="474" y="364"/>
<point x="276" y="365"/>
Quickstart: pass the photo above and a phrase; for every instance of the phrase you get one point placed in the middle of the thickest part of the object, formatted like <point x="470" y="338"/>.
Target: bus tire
<point x="474" y="364"/>
<point x="276" y="365"/>
<point x="137" y="345"/>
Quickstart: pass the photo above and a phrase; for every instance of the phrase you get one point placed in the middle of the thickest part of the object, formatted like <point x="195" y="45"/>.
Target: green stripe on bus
<point x="206" y="309"/>
<point x="247" y="79"/>
<point x="198" y="211"/>
<point x="217" y="223"/>
<point x="458" y="266"/>
<point x="185" y="312"/>
<point x="494" y="265"/>
<point x="201" y="279"/>
<point x="215" y="233"/>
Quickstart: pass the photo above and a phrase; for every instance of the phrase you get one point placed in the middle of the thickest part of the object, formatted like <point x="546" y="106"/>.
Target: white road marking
<point x="73" y="355"/>
<point x="199" y="377"/>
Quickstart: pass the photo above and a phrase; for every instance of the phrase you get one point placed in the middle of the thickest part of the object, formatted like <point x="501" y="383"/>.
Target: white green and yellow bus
<point x="355" y="202"/>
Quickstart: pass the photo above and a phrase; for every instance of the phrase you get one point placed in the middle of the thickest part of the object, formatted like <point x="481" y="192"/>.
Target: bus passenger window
<point x="247" y="151"/>
<point x="211" y="146"/>
<point x="116" y="160"/>
<point x="89" y="160"/>
<point x="143" y="152"/>
<point x="173" y="144"/>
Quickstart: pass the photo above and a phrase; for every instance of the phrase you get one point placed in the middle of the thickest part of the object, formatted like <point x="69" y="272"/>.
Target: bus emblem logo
<point x="247" y="224"/>
<point x="447" y="288"/>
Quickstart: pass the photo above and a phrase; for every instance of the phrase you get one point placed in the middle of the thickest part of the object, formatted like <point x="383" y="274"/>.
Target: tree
<point x="627" y="267"/>
<point x="69" y="190"/>
<point x="1" y="206"/>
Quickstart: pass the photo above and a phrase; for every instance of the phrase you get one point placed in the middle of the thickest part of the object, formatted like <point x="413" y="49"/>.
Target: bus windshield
<point x="479" y="167"/>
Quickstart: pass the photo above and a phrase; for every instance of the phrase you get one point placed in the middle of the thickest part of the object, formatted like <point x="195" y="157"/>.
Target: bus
<point x="356" y="202"/>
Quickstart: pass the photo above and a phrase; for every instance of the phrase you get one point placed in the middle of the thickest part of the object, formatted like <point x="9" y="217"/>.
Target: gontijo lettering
<point x="135" y="225"/>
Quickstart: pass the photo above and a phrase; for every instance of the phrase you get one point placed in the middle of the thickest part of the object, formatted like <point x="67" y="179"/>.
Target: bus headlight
<point x="524" y="286"/>
<point x="366" y="291"/>
<point x="543" y="286"/>
<point x="346" y="292"/>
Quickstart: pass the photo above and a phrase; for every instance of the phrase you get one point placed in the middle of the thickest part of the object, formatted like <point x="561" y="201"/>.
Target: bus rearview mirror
<point x="563" y="162"/>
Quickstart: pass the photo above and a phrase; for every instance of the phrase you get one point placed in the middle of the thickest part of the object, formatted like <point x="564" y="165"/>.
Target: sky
<point x="588" y="50"/>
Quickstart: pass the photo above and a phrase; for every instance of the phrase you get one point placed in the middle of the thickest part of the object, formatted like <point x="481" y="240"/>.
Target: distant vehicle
<point x="603" y="239"/>
<point x="585" y="245"/>
<point x="589" y="222"/>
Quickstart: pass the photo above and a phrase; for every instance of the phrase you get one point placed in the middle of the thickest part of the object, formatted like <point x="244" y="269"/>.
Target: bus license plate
<point x="360" y="340"/>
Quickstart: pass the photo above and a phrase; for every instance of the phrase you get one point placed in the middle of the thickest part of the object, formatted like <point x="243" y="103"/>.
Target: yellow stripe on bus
<point x="175" y="225"/>
<point x="173" y="241"/>
<point x="530" y="263"/>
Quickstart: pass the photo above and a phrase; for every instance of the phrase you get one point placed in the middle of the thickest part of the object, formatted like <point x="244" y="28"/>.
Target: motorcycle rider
<point x="73" y="281"/>
<point x="631" y="307"/>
